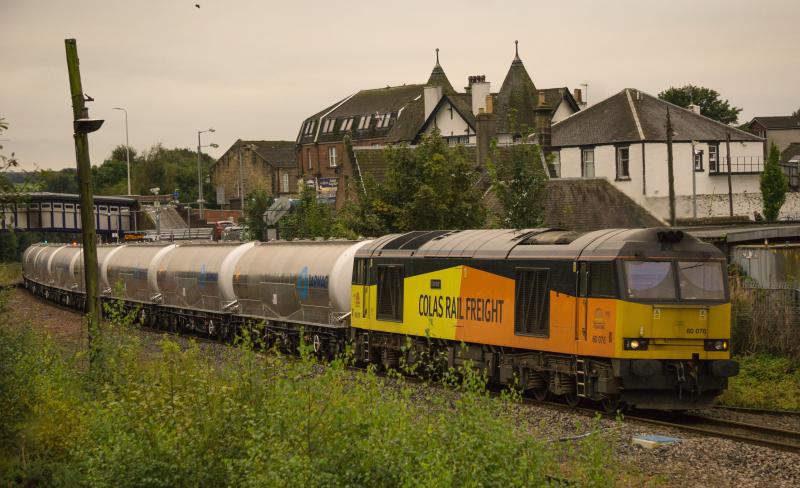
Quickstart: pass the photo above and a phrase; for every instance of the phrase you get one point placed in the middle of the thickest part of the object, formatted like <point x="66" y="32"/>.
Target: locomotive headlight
<point x="716" y="345"/>
<point x="635" y="344"/>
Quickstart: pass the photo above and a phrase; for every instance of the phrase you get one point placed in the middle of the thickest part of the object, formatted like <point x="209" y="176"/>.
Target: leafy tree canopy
<point x="257" y="202"/>
<point x="433" y="186"/>
<point x="519" y="183"/>
<point x="309" y="219"/>
<point x="773" y="185"/>
<point x="796" y="113"/>
<point x="707" y="99"/>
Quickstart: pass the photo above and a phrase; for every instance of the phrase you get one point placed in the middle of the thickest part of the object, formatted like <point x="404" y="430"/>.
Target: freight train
<point x="639" y="317"/>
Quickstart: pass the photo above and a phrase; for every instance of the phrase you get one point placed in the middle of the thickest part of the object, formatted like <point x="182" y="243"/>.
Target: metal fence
<point x="765" y="318"/>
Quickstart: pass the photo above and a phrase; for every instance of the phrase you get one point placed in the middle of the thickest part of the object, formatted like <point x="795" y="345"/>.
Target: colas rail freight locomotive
<point x="638" y="316"/>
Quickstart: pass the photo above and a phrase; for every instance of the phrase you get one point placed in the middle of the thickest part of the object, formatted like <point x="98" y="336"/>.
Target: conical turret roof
<point x="519" y="93"/>
<point x="438" y="78"/>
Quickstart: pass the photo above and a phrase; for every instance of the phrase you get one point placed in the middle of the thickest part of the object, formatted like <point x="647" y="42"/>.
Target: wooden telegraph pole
<point x="670" y="172"/>
<point x="82" y="125"/>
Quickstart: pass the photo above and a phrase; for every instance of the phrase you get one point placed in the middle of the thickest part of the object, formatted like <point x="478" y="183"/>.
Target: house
<point x="403" y="114"/>
<point x="623" y="139"/>
<point x="781" y="131"/>
<point x="251" y="165"/>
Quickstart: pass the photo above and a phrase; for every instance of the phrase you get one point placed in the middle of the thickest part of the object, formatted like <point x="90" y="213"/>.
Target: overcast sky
<point x="256" y="69"/>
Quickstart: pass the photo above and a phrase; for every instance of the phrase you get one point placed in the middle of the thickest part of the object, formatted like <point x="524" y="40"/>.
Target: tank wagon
<point x="633" y="316"/>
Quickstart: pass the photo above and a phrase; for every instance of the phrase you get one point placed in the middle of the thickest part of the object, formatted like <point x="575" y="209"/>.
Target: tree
<point x="796" y="113"/>
<point x="359" y="217"/>
<point x="309" y="219"/>
<point x="258" y="201"/>
<point x="430" y="187"/>
<point x="519" y="182"/>
<point x="707" y="99"/>
<point x="773" y="185"/>
<point x="61" y="181"/>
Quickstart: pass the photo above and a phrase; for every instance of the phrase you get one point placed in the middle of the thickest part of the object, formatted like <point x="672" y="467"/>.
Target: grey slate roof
<point x="781" y="122"/>
<point x="615" y="120"/>
<point x="278" y="154"/>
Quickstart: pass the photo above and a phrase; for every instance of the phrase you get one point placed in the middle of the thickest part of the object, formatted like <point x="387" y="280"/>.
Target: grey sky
<point x="255" y="69"/>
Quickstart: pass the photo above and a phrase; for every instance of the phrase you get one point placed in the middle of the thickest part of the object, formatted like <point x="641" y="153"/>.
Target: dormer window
<point x="346" y="124"/>
<point x="309" y="128"/>
<point x="363" y="124"/>
<point x="383" y="120"/>
<point x="327" y="127"/>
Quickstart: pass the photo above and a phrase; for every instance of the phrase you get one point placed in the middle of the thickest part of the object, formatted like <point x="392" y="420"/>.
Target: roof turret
<point x="438" y="78"/>
<point x="517" y="92"/>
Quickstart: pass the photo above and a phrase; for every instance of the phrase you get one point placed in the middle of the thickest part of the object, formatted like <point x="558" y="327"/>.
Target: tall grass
<point x="184" y="417"/>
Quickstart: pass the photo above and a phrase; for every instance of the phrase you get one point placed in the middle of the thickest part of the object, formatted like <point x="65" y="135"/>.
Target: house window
<point x="713" y="152"/>
<point x="346" y="124"/>
<point x="327" y="126"/>
<point x="285" y="182"/>
<point x="554" y="164"/>
<point x="456" y="140"/>
<point x="363" y="124"/>
<point x="623" y="163"/>
<point x="309" y="128"/>
<point x="532" y="314"/>
<point x="698" y="160"/>
<point x="308" y="157"/>
<point x="587" y="163"/>
<point x="332" y="156"/>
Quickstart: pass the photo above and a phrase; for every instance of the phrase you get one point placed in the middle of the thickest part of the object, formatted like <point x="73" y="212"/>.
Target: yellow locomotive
<point x="640" y="316"/>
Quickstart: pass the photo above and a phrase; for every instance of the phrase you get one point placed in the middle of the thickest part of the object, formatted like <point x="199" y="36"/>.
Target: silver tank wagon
<point x="302" y="281"/>
<point x="129" y="271"/>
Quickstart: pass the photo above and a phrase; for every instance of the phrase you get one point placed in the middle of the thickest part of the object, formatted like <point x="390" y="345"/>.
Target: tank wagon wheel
<point x="541" y="392"/>
<point x="316" y="343"/>
<point x="212" y="329"/>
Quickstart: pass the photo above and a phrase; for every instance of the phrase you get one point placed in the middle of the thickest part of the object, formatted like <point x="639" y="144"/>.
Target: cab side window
<point x="602" y="280"/>
<point x="390" y="292"/>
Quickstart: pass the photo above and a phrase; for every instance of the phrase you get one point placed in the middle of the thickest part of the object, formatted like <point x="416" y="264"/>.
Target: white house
<point x="623" y="139"/>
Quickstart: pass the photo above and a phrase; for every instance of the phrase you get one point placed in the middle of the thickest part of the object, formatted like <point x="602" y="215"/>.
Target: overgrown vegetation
<point x="765" y="381"/>
<point x="764" y="321"/>
<point x="519" y="182"/>
<point x="179" y="416"/>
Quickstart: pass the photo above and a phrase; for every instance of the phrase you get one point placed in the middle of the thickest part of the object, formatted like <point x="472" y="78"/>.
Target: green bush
<point x="765" y="381"/>
<point x="183" y="416"/>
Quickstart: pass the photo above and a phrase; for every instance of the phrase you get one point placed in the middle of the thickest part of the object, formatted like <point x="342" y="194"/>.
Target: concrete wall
<point x="782" y="138"/>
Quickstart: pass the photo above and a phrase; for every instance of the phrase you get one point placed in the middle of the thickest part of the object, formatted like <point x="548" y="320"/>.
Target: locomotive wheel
<point x="572" y="399"/>
<point x="542" y="393"/>
<point x="611" y="404"/>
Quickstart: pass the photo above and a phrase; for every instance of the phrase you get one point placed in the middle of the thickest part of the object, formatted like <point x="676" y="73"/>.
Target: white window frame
<point x="328" y="127"/>
<point x="363" y="123"/>
<point x="308" y="157"/>
<point x="697" y="157"/>
<point x="626" y="150"/>
<point x="332" y="156"/>
<point x="585" y="162"/>
<point x="713" y="158"/>
<point x="285" y="182"/>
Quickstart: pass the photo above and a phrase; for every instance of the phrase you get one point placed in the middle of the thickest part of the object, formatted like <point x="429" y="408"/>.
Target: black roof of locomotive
<point x="541" y="243"/>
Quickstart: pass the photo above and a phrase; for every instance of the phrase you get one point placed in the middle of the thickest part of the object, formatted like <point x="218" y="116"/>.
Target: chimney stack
<point x="578" y="96"/>
<point x="431" y="97"/>
<point x="695" y="108"/>
<point x="479" y="89"/>
<point x="541" y="98"/>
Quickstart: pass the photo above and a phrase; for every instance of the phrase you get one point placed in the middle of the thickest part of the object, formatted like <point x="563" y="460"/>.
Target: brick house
<point x="250" y="165"/>
<point x="402" y="114"/>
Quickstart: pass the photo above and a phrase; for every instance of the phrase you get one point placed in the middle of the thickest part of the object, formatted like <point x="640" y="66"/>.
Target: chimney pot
<point x="541" y="98"/>
<point x="695" y="108"/>
<point x="578" y="95"/>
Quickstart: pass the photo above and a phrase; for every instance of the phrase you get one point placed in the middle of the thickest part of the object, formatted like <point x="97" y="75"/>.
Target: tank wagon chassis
<point x="550" y="312"/>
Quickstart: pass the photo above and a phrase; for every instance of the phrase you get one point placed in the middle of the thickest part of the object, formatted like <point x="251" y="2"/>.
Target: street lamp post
<point x="694" y="181"/>
<point x="127" y="148"/>
<point x="200" y="200"/>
